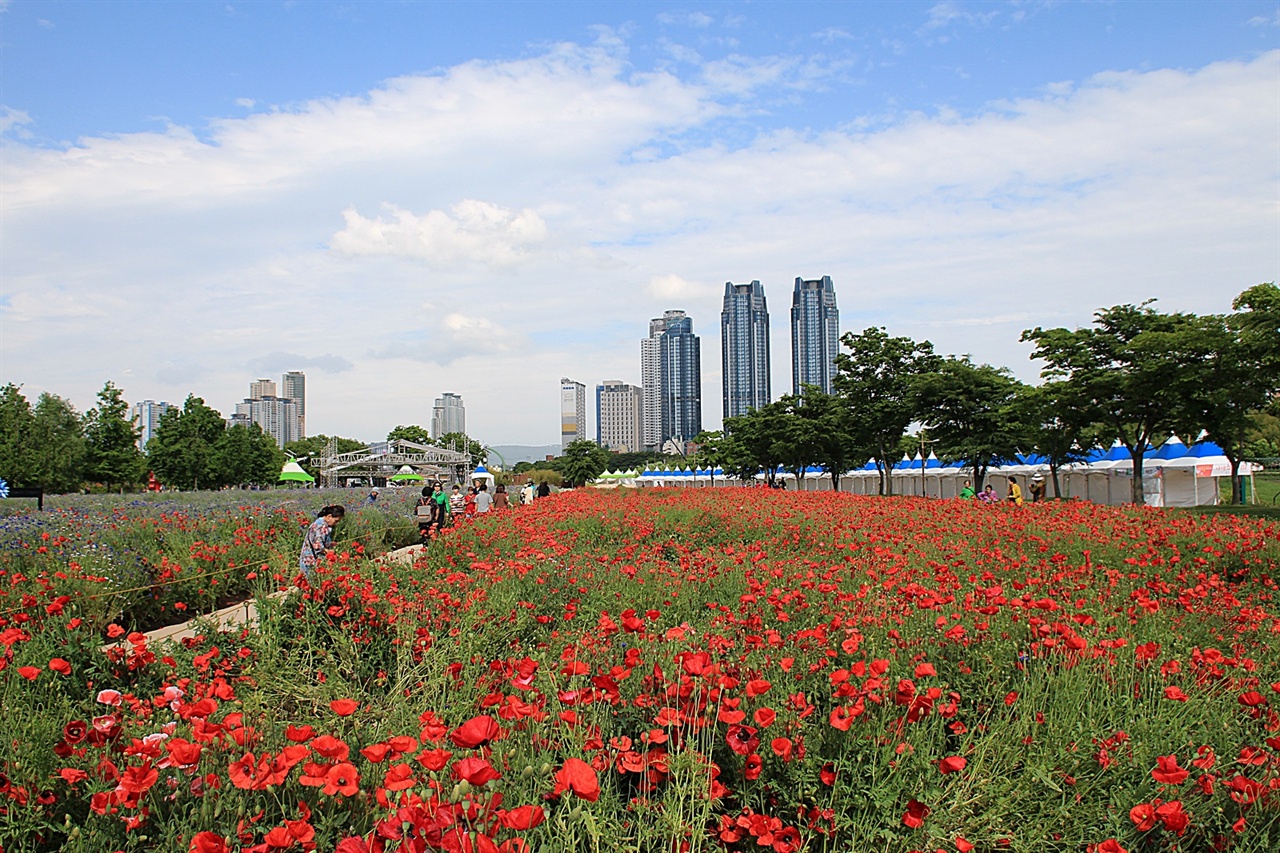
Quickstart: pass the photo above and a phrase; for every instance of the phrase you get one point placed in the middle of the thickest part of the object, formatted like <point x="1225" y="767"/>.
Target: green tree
<point x="1243" y="372"/>
<point x="57" y="443"/>
<point x="16" y="422"/>
<point x="973" y="411"/>
<point x="245" y="454"/>
<point x="412" y="432"/>
<point x="1133" y="373"/>
<point x="831" y="435"/>
<point x="583" y="460"/>
<point x="181" y="451"/>
<point x="1056" y="429"/>
<point x="461" y="442"/>
<point x="875" y="380"/>
<point x="111" y="442"/>
<point x="763" y="439"/>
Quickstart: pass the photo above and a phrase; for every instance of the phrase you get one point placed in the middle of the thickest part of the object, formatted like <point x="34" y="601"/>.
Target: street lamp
<point x="924" y="460"/>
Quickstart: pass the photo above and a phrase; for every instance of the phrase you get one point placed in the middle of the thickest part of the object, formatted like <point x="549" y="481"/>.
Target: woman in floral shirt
<point x="319" y="536"/>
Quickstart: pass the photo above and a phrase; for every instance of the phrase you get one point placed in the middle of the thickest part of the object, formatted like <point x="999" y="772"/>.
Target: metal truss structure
<point x="382" y="460"/>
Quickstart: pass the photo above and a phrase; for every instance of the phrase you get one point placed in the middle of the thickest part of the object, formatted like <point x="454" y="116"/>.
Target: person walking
<point x="318" y="539"/>
<point x="484" y="500"/>
<point x="441" y="515"/>
<point x="526" y="494"/>
<point x="425" y="511"/>
<point x="457" y="502"/>
<point x="1015" y="492"/>
<point x="1037" y="489"/>
<point x="469" y="502"/>
<point x="501" y="500"/>
<point x="544" y="489"/>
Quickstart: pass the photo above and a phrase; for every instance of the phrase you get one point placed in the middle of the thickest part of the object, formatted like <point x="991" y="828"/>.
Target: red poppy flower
<point x="344" y="707"/>
<point x="1175" y="693"/>
<point x="577" y="776"/>
<point x="523" y="818"/>
<point x="139" y="779"/>
<point x="434" y="759"/>
<point x="208" y="842"/>
<point x="1168" y="772"/>
<point x="299" y="734"/>
<point x="72" y="775"/>
<point x="782" y="747"/>
<point x="30" y="673"/>
<point x="764" y="717"/>
<point x="60" y="665"/>
<point x="742" y="739"/>
<point x="1175" y="820"/>
<point x="1143" y="816"/>
<point x="1109" y="846"/>
<point x="343" y="779"/>
<point x="915" y="814"/>
<point x="477" y="771"/>
<point x="330" y="747"/>
<point x="476" y="732"/>
<point x="399" y="778"/>
<point x="751" y="767"/>
<point x="952" y="764"/>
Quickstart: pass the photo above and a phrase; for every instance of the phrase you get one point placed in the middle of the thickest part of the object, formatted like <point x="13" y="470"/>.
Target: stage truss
<point x="378" y="462"/>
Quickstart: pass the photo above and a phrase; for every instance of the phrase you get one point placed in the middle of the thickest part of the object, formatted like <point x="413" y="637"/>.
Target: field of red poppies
<point x="730" y="669"/>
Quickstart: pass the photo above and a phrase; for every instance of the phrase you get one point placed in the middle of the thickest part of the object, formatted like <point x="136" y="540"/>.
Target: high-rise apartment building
<point x="278" y="417"/>
<point x="619" y="416"/>
<point x="146" y="417"/>
<point x="294" y="386"/>
<point x="573" y="412"/>
<point x="815" y="334"/>
<point x="744" y="348"/>
<point x="262" y="388"/>
<point x="680" y="378"/>
<point x="448" y="415"/>
<point x="651" y="382"/>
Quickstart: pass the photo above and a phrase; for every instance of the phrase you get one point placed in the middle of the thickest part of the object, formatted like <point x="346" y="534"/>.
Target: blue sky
<point x="409" y="198"/>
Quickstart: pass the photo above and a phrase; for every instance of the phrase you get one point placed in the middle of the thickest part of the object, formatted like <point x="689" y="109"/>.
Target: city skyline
<point x="397" y="196"/>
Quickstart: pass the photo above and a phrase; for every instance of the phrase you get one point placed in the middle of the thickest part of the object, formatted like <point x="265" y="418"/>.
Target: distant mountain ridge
<point x="513" y="453"/>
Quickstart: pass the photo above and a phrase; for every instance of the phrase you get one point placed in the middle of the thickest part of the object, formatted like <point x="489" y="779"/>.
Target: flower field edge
<point x="725" y="669"/>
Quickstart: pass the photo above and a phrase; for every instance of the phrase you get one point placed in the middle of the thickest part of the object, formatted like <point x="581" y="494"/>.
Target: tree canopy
<point x="111" y="442"/>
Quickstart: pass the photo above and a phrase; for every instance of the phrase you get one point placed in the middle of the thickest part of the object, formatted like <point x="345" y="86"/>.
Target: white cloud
<point x="491" y="227"/>
<point x="476" y="232"/>
<point x="11" y="118"/>
<point x="670" y="287"/>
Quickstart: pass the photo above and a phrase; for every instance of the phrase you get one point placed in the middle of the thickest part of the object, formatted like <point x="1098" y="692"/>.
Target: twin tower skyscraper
<point x="671" y="365"/>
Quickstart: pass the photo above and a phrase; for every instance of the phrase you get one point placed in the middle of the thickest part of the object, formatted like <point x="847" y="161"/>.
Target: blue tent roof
<point x="1171" y="449"/>
<point x="932" y="462"/>
<point x="1204" y="449"/>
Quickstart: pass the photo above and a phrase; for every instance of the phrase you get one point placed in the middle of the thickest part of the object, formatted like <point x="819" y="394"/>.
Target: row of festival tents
<point x="1177" y="475"/>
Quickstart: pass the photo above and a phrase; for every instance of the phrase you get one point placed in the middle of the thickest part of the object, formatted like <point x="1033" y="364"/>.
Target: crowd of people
<point x="437" y="509"/>
<point x="1013" y="495"/>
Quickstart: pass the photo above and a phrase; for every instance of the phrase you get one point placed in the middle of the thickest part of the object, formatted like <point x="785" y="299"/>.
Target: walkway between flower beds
<point x="246" y="612"/>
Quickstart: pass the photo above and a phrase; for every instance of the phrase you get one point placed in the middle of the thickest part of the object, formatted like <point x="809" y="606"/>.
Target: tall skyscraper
<point x="744" y="348"/>
<point x="815" y="333"/>
<point x="680" y="378"/>
<point x="294" y="386"/>
<point x="573" y="412"/>
<point x="651" y="381"/>
<point x="619" y="416"/>
<point x="448" y="415"/>
<point x="262" y="388"/>
<point x="146" y="417"/>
